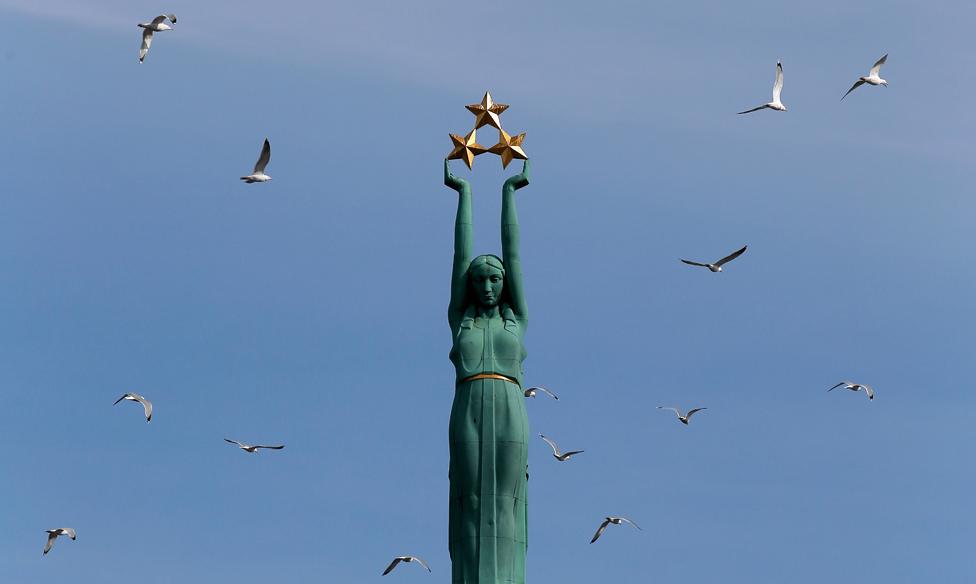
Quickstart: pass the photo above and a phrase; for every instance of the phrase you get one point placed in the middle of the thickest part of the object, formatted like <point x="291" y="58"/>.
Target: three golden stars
<point x="487" y="114"/>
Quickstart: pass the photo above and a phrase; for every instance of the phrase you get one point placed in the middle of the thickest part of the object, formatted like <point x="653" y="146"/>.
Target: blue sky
<point x="311" y="310"/>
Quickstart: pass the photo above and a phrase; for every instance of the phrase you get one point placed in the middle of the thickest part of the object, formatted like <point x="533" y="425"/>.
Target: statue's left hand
<point x="519" y="180"/>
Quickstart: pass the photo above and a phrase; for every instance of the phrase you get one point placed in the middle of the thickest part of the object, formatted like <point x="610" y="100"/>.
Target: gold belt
<point x="489" y="376"/>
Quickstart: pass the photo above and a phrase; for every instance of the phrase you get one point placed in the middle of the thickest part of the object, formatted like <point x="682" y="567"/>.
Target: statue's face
<point x="486" y="284"/>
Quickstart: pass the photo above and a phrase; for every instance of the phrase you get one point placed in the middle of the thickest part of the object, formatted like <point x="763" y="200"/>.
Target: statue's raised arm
<point x="462" y="246"/>
<point x="510" y="242"/>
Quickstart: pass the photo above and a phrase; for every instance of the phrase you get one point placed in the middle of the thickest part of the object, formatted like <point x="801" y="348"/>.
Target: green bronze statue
<point x="489" y="428"/>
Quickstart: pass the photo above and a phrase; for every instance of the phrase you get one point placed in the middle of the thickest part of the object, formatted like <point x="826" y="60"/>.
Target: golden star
<point x="486" y="112"/>
<point x="509" y="147"/>
<point x="466" y="148"/>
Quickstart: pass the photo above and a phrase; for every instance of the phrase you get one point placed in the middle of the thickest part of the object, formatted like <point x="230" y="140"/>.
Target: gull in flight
<point x="406" y="559"/>
<point x="52" y="534"/>
<point x="855" y="387"/>
<point x="608" y="521"/>
<point x="252" y="449"/>
<point x="146" y="404"/>
<point x="258" y="174"/>
<point x="560" y="456"/>
<point x="873" y="77"/>
<point x="683" y="418"/>
<point x="776" y="104"/>
<point x="530" y="392"/>
<point x="158" y="24"/>
<point x="717" y="266"/>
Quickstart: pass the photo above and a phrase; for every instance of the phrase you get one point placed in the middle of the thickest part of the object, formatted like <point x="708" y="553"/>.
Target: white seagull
<point x="258" y="174"/>
<point x="776" y="104"/>
<point x="146" y="404"/>
<point x="52" y="534"/>
<point x="406" y="559"/>
<point x="855" y="387"/>
<point x="158" y="24"/>
<point x="530" y="392"/>
<point x="873" y="78"/>
<point x="560" y="456"/>
<point x="717" y="266"/>
<point x="683" y="418"/>
<point x="608" y="521"/>
<point x="252" y="449"/>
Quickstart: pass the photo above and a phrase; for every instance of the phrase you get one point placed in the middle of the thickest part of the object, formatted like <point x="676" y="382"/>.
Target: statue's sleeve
<point x="510" y="244"/>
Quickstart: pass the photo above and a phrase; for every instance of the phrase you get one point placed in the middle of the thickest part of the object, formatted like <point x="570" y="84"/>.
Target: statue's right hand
<point x="452" y="181"/>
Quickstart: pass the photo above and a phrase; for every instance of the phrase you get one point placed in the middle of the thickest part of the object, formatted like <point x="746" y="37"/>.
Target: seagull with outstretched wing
<point x="158" y="24"/>
<point x="258" y="174"/>
<point x="530" y="392"/>
<point x="406" y="559"/>
<point x="855" y="387"/>
<point x="609" y="521"/>
<point x="776" y="104"/>
<point x="147" y="406"/>
<point x="873" y="77"/>
<point x="52" y="534"/>
<point x="717" y="266"/>
<point x="682" y="417"/>
<point x="560" y="456"/>
<point x="254" y="448"/>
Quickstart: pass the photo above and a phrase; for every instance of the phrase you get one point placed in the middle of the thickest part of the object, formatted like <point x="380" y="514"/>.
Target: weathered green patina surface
<point x="489" y="428"/>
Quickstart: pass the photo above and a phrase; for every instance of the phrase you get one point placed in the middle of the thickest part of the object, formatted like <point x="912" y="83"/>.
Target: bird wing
<point x="279" y="447"/>
<point x="602" y="528"/>
<point x="125" y="395"/>
<point x="233" y="442"/>
<point x="868" y="390"/>
<point x="545" y="391"/>
<point x="420" y="561"/>
<point x="146" y="406"/>
<point x="391" y="566"/>
<point x="628" y="520"/>
<point x="836" y="386"/>
<point x="50" y="542"/>
<point x="755" y="109"/>
<point x="675" y="410"/>
<point x="731" y="256"/>
<point x="264" y="158"/>
<point x="571" y="453"/>
<point x="69" y="532"/>
<point x="555" y="449"/>
<point x="877" y="66"/>
<point x="690" y="412"/>
<point x="857" y="84"/>
<point x="147" y="35"/>
<point x="691" y="263"/>
<point x="159" y="19"/>
<point x="778" y="84"/>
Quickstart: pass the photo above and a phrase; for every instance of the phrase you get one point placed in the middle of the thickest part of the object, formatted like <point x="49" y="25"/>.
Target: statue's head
<point x="486" y="280"/>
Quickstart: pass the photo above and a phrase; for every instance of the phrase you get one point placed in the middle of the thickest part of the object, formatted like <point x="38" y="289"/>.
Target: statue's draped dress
<point x="489" y="430"/>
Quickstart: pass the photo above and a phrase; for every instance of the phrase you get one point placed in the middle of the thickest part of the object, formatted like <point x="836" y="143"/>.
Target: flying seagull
<point x="146" y="404"/>
<point x="560" y="456"/>
<point x="258" y="174"/>
<point x="873" y="77"/>
<point x="252" y="449"/>
<point x="776" y="104"/>
<point x="406" y="559"/>
<point x="608" y="521"/>
<point x="683" y="418"/>
<point x="530" y="392"/>
<point x="855" y="387"/>
<point x="52" y="534"/>
<point x="717" y="266"/>
<point x="158" y="24"/>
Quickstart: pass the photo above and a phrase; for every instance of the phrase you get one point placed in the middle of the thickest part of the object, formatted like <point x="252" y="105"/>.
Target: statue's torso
<point x="488" y="345"/>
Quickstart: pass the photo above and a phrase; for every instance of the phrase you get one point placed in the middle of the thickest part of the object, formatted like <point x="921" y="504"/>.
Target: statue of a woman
<point x="489" y="428"/>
